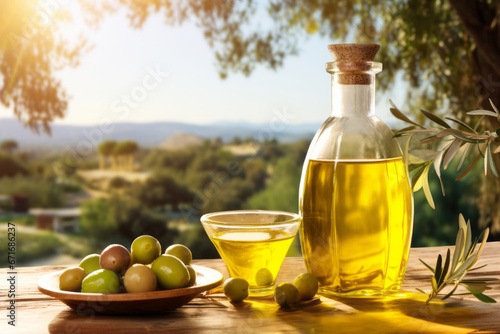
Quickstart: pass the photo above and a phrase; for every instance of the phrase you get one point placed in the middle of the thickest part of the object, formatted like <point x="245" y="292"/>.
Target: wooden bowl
<point x="131" y="303"/>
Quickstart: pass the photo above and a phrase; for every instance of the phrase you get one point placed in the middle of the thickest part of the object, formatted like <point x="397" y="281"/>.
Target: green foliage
<point x="434" y="227"/>
<point x="10" y="166"/>
<point x="230" y="197"/>
<point x="126" y="147"/>
<point x="282" y="193"/>
<point x="97" y="220"/>
<point x="42" y="193"/>
<point x="106" y="147"/>
<point x="70" y="185"/>
<point x="176" y="159"/>
<point x="255" y="171"/>
<point x="8" y="145"/>
<point x="198" y="242"/>
<point x="271" y="150"/>
<point x="117" y="220"/>
<point x="161" y="189"/>
<point x="27" y="220"/>
<point x="30" y="246"/>
<point x="118" y="182"/>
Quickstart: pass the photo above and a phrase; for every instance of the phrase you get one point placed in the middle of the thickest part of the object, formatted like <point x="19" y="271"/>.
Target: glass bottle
<point x="355" y="195"/>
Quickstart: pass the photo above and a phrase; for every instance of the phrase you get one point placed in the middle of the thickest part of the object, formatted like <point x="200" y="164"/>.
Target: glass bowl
<point x="252" y="243"/>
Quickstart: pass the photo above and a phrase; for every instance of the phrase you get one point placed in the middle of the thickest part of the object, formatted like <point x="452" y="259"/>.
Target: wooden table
<point x="403" y="313"/>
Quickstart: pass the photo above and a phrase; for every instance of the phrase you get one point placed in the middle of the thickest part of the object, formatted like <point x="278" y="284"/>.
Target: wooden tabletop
<point x="405" y="312"/>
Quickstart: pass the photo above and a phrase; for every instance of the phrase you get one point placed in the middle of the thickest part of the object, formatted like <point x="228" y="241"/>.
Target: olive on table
<point x="286" y="295"/>
<point x="71" y="279"/>
<point x="236" y="289"/>
<point x="307" y="285"/>
<point x="139" y="278"/>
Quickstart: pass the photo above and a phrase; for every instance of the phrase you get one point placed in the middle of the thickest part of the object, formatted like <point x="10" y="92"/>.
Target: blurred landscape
<point x="65" y="209"/>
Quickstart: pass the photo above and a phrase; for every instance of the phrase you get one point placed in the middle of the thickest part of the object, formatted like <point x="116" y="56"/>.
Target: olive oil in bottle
<point x="356" y="224"/>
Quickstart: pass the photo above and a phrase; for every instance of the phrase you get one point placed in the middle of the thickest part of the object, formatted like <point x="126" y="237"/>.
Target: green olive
<point x="90" y="263"/>
<point x="181" y="252"/>
<point x="145" y="249"/>
<point x="307" y="284"/>
<point x="192" y="275"/>
<point x="286" y="294"/>
<point x="170" y="272"/>
<point x="236" y="289"/>
<point x="115" y="257"/>
<point x="139" y="278"/>
<point x="264" y="277"/>
<point x="101" y="281"/>
<point x="71" y="279"/>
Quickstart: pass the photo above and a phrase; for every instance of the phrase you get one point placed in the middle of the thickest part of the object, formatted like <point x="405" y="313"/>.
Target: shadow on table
<point x="206" y="314"/>
<point x="405" y="312"/>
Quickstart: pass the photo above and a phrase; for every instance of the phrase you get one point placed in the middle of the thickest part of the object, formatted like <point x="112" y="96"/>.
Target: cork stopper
<point x="355" y="60"/>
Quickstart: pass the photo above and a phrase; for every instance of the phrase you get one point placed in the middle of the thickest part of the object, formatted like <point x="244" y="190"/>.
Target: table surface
<point x="405" y="312"/>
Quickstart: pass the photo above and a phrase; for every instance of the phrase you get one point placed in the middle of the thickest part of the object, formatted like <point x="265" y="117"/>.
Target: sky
<point x="191" y="91"/>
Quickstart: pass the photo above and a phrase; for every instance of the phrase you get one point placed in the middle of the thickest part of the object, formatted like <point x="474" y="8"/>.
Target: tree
<point x="116" y="220"/>
<point x="9" y="166"/>
<point x="105" y="149"/>
<point x="31" y="50"/>
<point x="124" y="153"/>
<point x="131" y="148"/>
<point x="160" y="190"/>
<point x="8" y="145"/>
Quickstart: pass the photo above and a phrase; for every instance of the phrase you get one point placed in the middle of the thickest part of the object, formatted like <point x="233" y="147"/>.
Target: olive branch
<point x="454" y="269"/>
<point x="468" y="138"/>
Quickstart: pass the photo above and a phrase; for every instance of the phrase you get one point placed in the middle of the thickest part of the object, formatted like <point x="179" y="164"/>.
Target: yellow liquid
<point x="357" y="224"/>
<point x="254" y="256"/>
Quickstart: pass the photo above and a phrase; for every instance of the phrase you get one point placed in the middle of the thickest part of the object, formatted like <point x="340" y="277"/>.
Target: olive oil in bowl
<point x="252" y="243"/>
<point x="255" y="256"/>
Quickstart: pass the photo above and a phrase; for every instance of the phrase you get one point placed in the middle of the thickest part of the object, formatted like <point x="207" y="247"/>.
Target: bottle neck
<point x="353" y="100"/>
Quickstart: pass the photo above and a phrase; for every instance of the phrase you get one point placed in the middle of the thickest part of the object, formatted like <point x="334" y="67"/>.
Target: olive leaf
<point x="465" y="172"/>
<point x="460" y="122"/>
<point x="435" y="119"/>
<point x="451" y="152"/>
<point x="458" y="145"/>
<point x="464" y="154"/>
<point x="454" y="268"/>
<point x="491" y="161"/>
<point x="494" y="107"/>
<point x="399" y="115"/>
<point x="482" y="113"/>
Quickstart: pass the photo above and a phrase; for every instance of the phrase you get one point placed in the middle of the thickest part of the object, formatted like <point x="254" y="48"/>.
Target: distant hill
<point x="180" y="140"/>
<point x="150" y="134"/>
